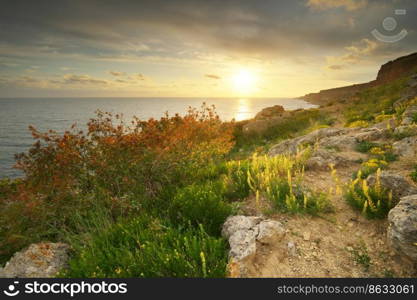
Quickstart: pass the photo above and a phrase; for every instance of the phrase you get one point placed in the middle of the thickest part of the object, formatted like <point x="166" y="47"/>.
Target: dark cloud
<point x="82" y="79"/>
<point x="137" y="29"/>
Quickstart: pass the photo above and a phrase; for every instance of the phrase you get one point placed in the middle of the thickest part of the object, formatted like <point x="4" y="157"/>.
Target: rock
<point x="343" y="142"/>
<point x="292" y="250"/>
<point x="269" y="112"/>
<point x="292" y="145"/>
<point x="409" y="114"/>
<point x="406" y="131"/>
<point x="369" y="134"/>
<point x="406" y="146"/>
<point x="399" y="186"/>
<point x="38" y="260"/>
<point x="402" y="228"/>
<point x="321" y="159"/>
<point x="306" y="236"/>
<point x="270" y="232"/>
<point x="243" y="233"/>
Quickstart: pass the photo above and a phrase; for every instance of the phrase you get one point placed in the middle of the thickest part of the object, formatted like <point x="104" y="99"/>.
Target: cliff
<point x="390" y="71"/>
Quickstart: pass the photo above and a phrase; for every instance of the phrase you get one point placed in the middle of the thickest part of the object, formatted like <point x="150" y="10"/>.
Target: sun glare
<point x="244" y="82"/>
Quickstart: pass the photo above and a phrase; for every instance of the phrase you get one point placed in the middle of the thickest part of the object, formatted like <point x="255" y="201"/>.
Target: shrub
<point x="278" y="179"/>
<point x="365" y="146"/>
<point x="200" y="204"/>
<point x="374" y="201"/>
<point x="369" y="167"/>
<point x="123" y="168"/>
<point x="236" y="180"/>
<point x="144" y="247"/>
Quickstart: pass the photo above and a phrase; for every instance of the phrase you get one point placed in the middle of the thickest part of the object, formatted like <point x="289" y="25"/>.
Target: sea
<point x="58" y="114"/>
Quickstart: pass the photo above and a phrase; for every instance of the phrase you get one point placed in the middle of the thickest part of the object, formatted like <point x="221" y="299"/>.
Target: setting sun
<point x="244" y="82"/>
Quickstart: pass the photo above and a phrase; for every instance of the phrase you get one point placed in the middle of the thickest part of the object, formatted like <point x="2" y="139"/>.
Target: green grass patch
<point x="145" y="247"/>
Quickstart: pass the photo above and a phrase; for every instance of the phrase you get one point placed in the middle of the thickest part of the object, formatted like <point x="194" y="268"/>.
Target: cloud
<point x="354" y="54"/>
<point x="82" y="79"/>
<point x="117" y="73"/>
<point x="212" y="76"/>
<point x="137" y="76"/>
<point x="336" y="67"/>
<point x="349" y="5"/>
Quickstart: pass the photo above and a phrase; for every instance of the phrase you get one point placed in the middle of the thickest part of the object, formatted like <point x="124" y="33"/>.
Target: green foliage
<point x="371" y="102"/>
<point x="127" y="170"/>
<point x="200" y="204"/>
<point x="236" y="181"/>
<point x="145" y="247"/>
<point x="374" y="201"/>
<point x="365" y="146"/>
<point x="278" y="179"/>
<point x="298" y="122"/>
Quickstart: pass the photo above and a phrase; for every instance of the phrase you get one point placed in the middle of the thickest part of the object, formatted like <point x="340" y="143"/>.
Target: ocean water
<point x="59" y="114"/>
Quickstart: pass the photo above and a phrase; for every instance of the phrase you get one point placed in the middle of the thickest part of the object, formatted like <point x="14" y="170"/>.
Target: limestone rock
<point x="408" y="115"/>
<point x="406" y="146"/>
<point x="38" y="260"/>
<point x="402" y="229"/>
<point x="270" y="232"/>
<point x="243" y="233"/>
<point x="399" y="186"/>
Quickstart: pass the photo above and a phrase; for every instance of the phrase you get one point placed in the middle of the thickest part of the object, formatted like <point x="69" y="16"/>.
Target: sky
<point x="196" y="48"/>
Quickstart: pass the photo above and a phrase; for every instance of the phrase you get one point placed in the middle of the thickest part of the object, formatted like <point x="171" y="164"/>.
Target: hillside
<point x="400" y="67"/>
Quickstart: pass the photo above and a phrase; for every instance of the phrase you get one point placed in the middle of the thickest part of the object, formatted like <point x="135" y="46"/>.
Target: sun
<point x="244" y="82"/>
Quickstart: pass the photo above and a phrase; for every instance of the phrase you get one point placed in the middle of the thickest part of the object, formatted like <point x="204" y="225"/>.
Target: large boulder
<point x="396" y="183"/>
<point x="244" y="232"/>
<point x="38" y="260"/>
<point x="406" y="147"/>
<point x="270" y="112"/>
<point x="402" y="228"/>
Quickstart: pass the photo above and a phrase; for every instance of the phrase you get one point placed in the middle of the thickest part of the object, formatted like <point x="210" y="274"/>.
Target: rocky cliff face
<point x="402" y="66"/>
<point x="390" y="71"/>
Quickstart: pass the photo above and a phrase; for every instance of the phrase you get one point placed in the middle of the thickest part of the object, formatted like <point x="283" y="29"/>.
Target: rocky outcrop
<point x="409" y="115"/>
<point x="406" y="147"/>
<point x="402" y="66"/>
<point x="38" y="260"/>
<point x="270" y="112"/>
<point x="402" y="229"/>
<point x="244" y="232"/>
<point x="396" y="183"/>
<point x="397" y="68"/>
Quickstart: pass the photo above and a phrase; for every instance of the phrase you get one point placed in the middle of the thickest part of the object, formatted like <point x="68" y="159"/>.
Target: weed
<point x="374" y="201"/>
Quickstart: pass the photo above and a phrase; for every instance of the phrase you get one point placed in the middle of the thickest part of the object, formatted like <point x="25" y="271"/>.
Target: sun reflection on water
<point x="243" y="111"/>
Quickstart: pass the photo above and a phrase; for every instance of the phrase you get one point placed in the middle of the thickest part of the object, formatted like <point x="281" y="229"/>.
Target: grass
<point x="200" y="204"/>
<point x="373" y="201"/>
<point x="361" y="256"/>
<point x="297" y="123"/>
<point x="146" y="247"/>
<point x="278" y="180"/>
<point x="371" y="102"/>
